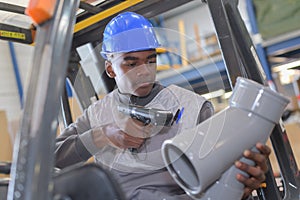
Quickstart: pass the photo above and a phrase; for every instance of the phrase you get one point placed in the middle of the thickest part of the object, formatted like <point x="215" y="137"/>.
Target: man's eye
<point x="152" y="61"/>
<point x="131" y="64"/>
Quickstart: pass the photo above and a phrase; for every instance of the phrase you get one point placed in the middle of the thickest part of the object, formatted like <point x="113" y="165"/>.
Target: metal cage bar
<point x="33" y="162"/>
<point x="241" y="60"/>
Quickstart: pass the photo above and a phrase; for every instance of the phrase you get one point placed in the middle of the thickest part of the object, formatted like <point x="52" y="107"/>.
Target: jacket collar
<point x="141" y="101"/>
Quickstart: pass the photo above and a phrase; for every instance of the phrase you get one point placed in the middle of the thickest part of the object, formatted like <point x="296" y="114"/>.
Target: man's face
<point x="134" y="72"/>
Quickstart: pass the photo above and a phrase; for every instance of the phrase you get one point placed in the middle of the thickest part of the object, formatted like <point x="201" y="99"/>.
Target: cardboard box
<point x="293" y="132"/>
<point x="5" y="141"/>
<point x="293" y="105"/>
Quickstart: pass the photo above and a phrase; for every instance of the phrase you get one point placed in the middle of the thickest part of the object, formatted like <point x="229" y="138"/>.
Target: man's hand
<point x="257" y="172"/>
<point x="120" y="139"/>
<point x="112" y="135"/>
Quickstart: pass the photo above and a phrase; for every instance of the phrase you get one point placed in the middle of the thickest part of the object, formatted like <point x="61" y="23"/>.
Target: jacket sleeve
<point x="69" y="149"/>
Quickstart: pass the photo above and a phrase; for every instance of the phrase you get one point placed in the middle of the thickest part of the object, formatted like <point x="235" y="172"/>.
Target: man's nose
<point x="143" y="69"/>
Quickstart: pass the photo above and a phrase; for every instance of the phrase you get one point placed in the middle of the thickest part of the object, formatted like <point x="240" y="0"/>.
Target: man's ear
<point x="109" y="69"/>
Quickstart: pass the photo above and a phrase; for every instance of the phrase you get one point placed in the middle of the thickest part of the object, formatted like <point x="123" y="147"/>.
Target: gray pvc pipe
<point x="201" y="159"/>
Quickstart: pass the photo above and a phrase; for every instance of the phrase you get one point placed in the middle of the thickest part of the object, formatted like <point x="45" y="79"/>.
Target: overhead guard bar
<point x="106" y="13"/>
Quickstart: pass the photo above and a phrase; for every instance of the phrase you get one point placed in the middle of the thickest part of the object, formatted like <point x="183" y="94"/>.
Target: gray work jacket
<point x="142" y="175"/>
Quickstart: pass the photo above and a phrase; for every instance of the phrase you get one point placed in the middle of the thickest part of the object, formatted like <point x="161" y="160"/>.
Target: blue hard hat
<point x="128" y="32"/>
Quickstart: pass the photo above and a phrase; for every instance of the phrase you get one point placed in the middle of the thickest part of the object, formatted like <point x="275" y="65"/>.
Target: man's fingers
<point x="259" y="158"/>
<point x="138" y="122"/>
<point x="256" y="173"/>
<point x="264" y="149"/>
<point x="250" y="183"/>
<point x="130" y="141"/>
<point x="122" y="140"/>
<point x="253" y="171"/>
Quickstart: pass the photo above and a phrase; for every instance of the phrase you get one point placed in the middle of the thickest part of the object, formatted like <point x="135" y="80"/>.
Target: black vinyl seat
<point x="3" y="188"/>
<point x="4" y="169"/>
<point x="88" y="182"/>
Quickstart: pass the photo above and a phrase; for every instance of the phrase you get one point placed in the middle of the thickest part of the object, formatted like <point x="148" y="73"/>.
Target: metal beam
<point x="241" y="60"/>
<point x="148" y="8"/>
<point x="33" y="159"/>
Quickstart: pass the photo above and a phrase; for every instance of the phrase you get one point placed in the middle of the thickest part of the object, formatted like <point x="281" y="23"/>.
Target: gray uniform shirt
<point x="153" y="184"/>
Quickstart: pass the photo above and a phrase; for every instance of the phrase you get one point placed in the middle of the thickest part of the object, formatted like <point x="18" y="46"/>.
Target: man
<point x="102" y="131"/>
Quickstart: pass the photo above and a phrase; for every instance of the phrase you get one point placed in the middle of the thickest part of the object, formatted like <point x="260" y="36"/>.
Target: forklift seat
<point x="88" y="181"/>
